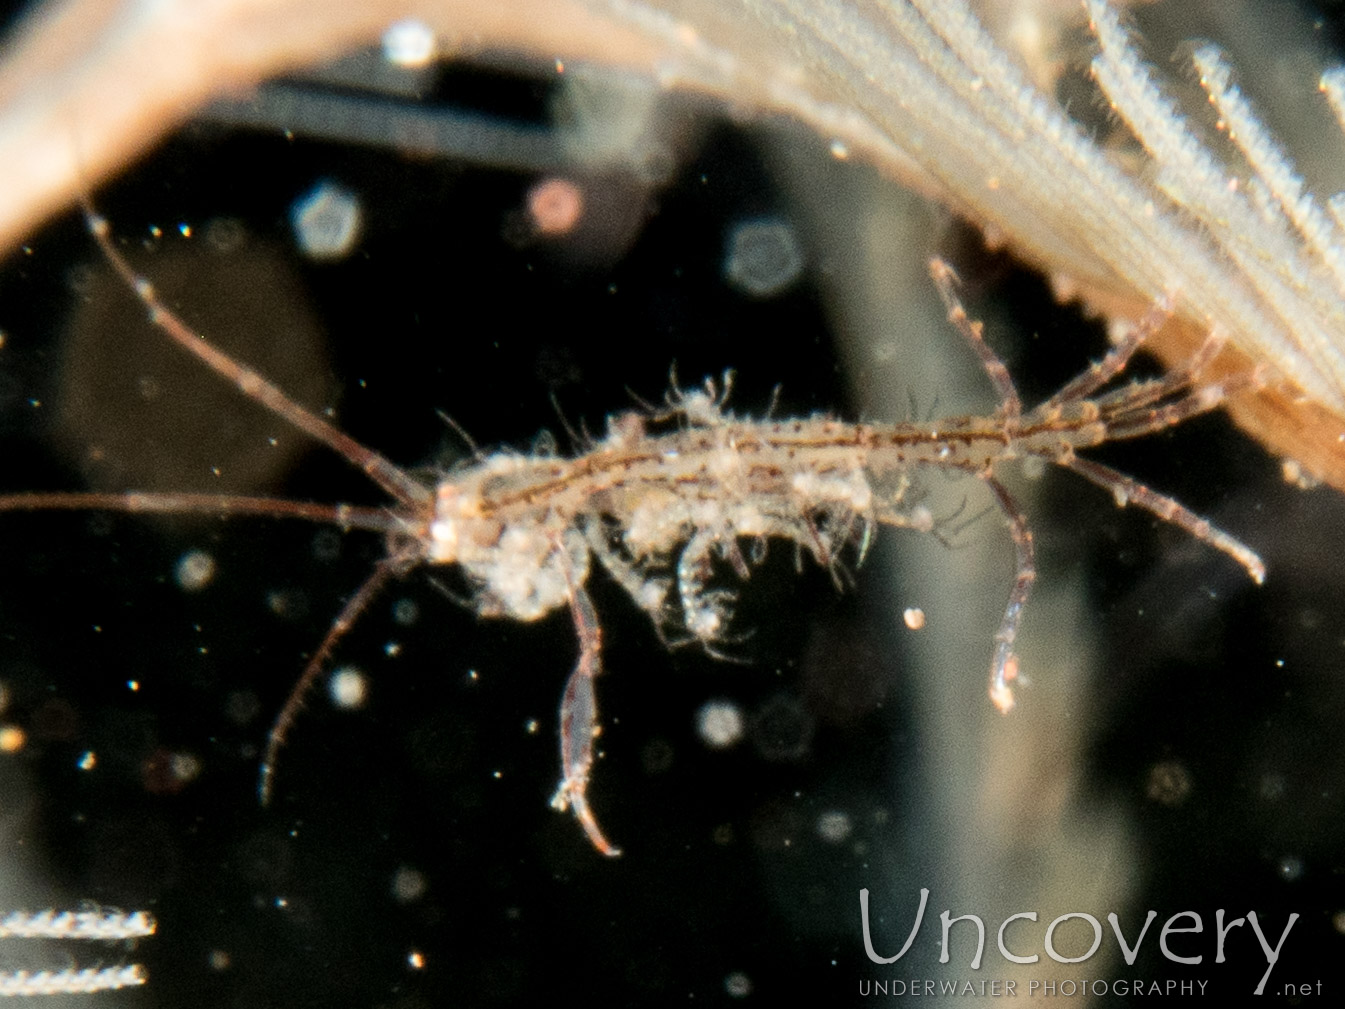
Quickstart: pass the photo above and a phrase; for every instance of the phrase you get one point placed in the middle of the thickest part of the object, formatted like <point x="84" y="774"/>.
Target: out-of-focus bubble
<point x="1290" y="868"/>
<point x="186" y="766"/>
<point x="1272" y="786"/>
<point x="348" y="688"/>
<point x="220" y="960"/>
<point x="167" y="772"/>
<point x="738" y="984"/>
<point x="88" y="760"/>
<point x="834" y="826"/>
<point x="242" y="706"/>
<point x="195" y="570"/>
<point x="289" y="604"/>
<point x="782" y="729"/>
<point x="326" y="544"/>
<point x="656" y="756"/>
<point x="326" y="221"/>
<point x="764" y="257"/>
<point x="225" y="234"/>
<point x="408" y="884"/>
<point x="1169" y="783"/>
<point x="719" y="723"/>
<point x="405" y="612"/>
<point x="555" y="206"/>
<point x="409" y="43"/>
<point x="12" y="739"/>
<point x="914" y="618"/>
<point x="415" y="959"/>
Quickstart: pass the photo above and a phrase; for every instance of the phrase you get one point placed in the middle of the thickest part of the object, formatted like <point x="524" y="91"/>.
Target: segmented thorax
<point x="662" y="500"/>
<point x="521" y="556"/>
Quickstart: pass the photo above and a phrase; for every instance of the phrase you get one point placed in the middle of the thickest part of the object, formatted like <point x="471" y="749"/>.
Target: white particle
<point x="834" y="826"/>
<point x="405" y="612"/>
<point x="720" y="723"/>
<point x="326" y="221"/>
<point x="184" y="767"/>
<point x="195" y="570"/>
<point x="348" y="687"/>
<point x="408" y="884"/>
<point x="409" y="43"/>
<point x="738" y="984"/>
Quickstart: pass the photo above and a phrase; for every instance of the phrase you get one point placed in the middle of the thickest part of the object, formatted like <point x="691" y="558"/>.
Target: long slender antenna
<point x="394" y="480"/>
<point x="378" y="520"/>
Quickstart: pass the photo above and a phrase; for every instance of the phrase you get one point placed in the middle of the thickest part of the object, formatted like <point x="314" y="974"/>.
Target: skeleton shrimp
<point x="670" y="492"/>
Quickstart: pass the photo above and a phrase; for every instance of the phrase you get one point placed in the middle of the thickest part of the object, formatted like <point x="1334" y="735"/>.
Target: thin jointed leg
<point x="1099" y="374"/>
<point x="1127" y="490"/>
<point x="1004" y="665"/>
<point x="945" y="279"/>
<point x="354" y="606"/>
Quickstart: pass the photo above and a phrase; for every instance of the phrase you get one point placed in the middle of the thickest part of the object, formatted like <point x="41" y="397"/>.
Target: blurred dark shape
<point x="136" y="412"/>
<point x="1169" y="783"/>
<point x="782" y="729"/>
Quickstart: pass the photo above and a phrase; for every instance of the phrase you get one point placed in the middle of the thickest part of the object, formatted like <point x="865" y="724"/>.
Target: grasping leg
<point x="650" y="592"/>
<point x="354" y="606"/>
<point x="579" y="720"/>
<point x="1004" y="665"/>
<point x="706" y="612"/>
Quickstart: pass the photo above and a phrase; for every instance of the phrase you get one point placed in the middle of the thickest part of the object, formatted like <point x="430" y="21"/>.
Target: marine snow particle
<point x="764" y="257"/>
<point x="326" y="221"/>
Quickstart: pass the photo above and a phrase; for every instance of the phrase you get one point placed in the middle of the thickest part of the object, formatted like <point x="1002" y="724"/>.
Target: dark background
<point x="1231" y="705"/>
